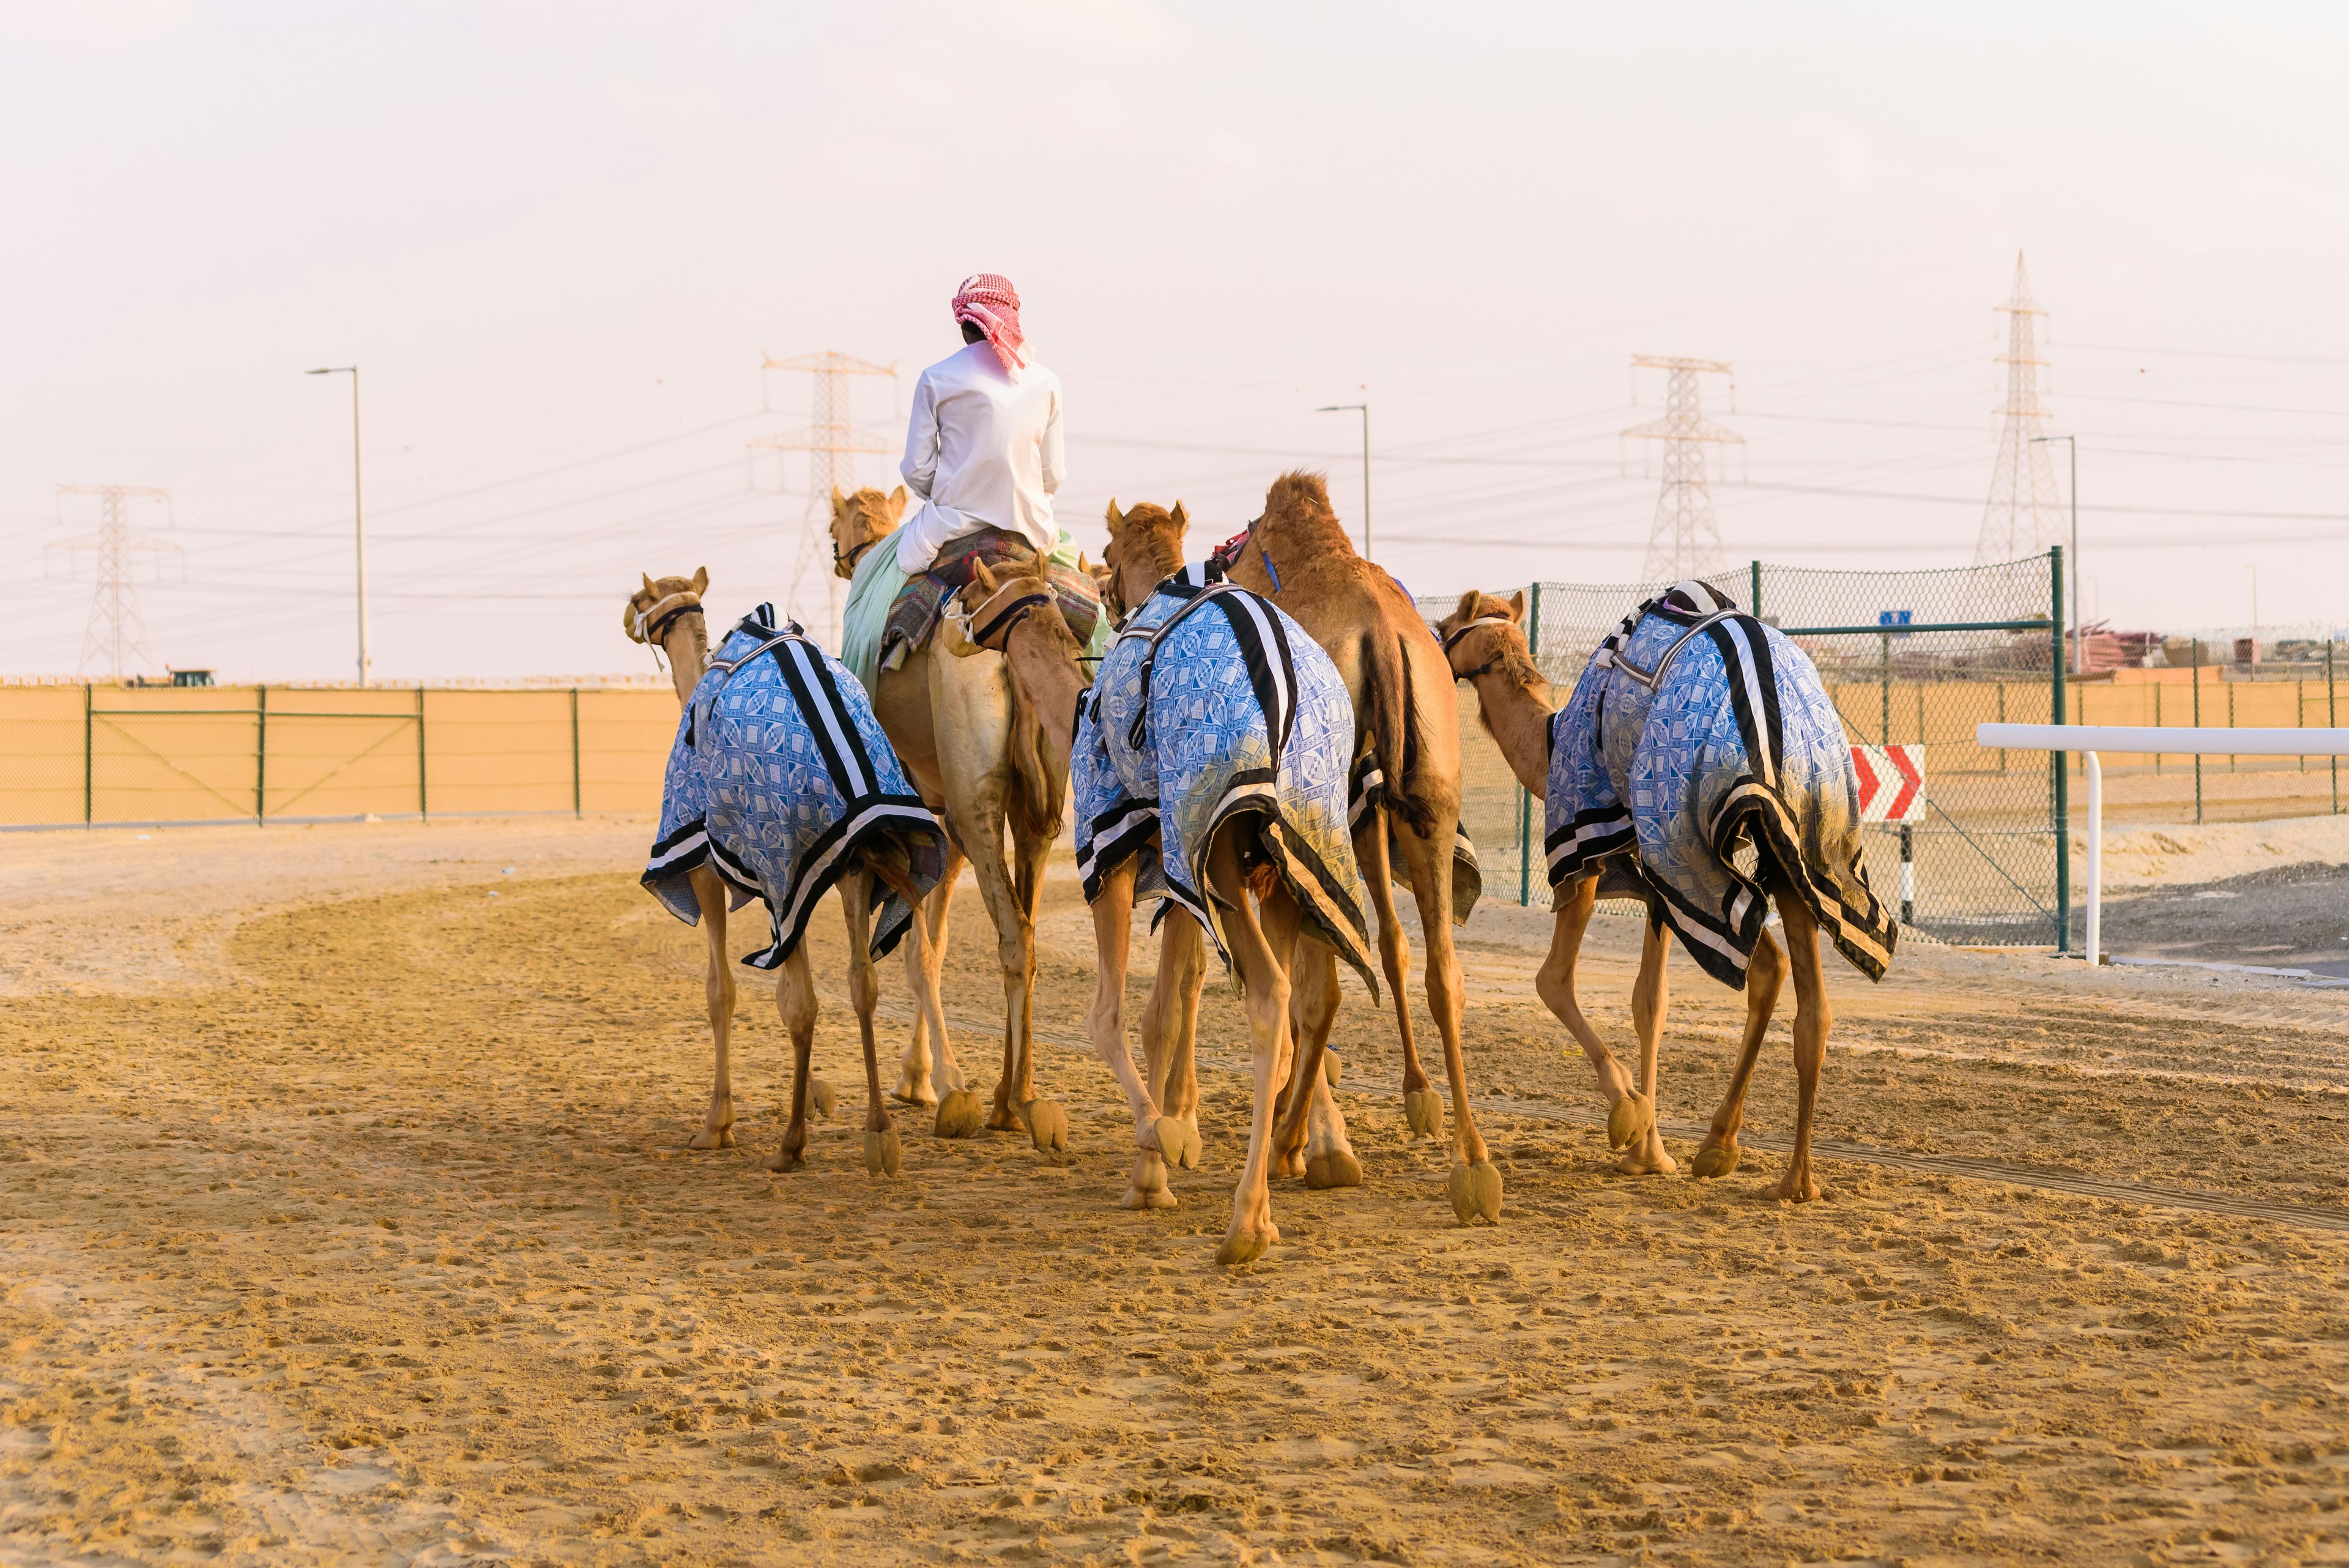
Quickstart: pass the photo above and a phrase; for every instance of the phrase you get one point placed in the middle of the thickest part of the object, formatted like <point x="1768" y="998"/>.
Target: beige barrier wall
<point x="121" y="754"/>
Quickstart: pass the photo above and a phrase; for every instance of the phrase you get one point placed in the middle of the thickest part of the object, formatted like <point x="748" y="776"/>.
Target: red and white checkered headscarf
<point x="988" y="301"/>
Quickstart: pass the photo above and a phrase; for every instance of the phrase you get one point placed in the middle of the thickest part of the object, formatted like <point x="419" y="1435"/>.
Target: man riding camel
<point x="983" y="457"/>
<point x="984" y="449"/>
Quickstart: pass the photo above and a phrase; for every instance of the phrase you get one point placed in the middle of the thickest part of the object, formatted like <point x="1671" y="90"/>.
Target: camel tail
<point x="1394" y="736"/>
<point x="1038" y="792"/>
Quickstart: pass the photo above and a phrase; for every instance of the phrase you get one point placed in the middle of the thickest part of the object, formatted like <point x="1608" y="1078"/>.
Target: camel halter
<point x="653" y="623"/>
<point x="1020" y="609"/>
<point x="1453" y="640"/>
<point x="850" y="559"/>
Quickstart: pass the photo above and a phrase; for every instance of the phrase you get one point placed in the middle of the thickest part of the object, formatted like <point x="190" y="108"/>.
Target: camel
<point x="668" y="615"/>
<point x="1407" y="718"/>
<point x="972" y="748"/>
<point x="1486" y="645"/>
<point x="1294" y="912"/>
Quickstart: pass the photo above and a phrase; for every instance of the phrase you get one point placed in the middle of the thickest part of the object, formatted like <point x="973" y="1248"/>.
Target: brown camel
<point x="1262" y="930"/>
<point x="668" y="614"/>
<point x="1487" y="647"/>
<point x="1407" y="717"/>
<point x="974" y="751"/>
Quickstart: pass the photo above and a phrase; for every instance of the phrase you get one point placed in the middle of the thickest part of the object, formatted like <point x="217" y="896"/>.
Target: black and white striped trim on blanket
<point x="1127" y="828"/>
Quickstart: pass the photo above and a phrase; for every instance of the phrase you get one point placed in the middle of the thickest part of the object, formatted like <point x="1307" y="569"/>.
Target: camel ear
<point x="1467" y="610"/>
<point x="700" y="579"/>
<point x="1082" y="564"/>
<point x="1182" y="518"/>
<point x="986" y="578"/>
<point x="839" y="502"/>
<point x="1116" y="518"/>
<point x="897" y="503"/>
<point x="1517" y="607"/>
<point x="648" y="584"/>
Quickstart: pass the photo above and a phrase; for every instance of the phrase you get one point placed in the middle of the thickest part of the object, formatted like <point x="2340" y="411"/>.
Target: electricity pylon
<point x="831" y="441"/>
<point x="118" y="633"/>
<point x="2024" y="516"/>
<point x="1685" y="540"/>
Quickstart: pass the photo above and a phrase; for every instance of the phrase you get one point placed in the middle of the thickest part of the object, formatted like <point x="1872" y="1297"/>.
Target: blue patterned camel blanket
<point x="1692" y="727"/>
<point x="1212" y="704"/>
<point x="780" y="775"/>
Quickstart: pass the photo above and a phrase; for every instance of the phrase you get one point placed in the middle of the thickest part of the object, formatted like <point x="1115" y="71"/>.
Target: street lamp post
<point x="1364" y="409"/>
<point x="359" y="502"/>
<point x="2079" y="633"/>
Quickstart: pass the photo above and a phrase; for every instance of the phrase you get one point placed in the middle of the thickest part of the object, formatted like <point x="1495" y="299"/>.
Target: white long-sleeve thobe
<point x="983" y="450"/>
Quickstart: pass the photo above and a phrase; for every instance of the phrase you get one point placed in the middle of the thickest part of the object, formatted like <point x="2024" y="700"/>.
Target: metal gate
<point x="1911" y="660"/>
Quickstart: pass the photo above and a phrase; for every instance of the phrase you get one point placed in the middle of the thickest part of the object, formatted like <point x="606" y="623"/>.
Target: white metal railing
<point x="2089" y="738"/>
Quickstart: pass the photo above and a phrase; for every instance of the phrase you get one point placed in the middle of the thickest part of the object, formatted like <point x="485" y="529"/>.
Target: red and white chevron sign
<point x="1891" y="782"/>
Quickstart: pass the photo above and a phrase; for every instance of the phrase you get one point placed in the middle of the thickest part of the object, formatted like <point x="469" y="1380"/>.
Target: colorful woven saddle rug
<point x="779" y="776"/>
<point x="1694" y="729"/>
<point x="1213" y="705"/>
<point x="914" y="615"/>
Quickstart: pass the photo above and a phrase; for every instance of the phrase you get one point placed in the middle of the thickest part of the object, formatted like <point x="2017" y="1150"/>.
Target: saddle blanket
<point x="890" y="614"/>
<point x="780" y="775"/>
<point x="1211" y="705"/>
<point x="1693" y="728"/>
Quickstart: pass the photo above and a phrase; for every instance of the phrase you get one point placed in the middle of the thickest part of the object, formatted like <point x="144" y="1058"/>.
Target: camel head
<point x="650" y="609"/>
<point x="980" y="617"/>
<point x="861" y="521"/>
<point x="1487" y="633"/>
<point x="1145" y="549"/>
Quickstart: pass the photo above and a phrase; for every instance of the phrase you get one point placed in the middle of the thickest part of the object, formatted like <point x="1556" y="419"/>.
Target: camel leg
<point x="1256" y="949"/>
<point x="1155" y="1137"/>
<point x="1422" y="1108"/>
<point x="1475" y="1183"/>
<point x="924" y="959"/>
<point x="795" y="1000"/>
<point x="1650" y="1000"/>
<point x="1811" y="1022"/>
<point x="1170" y="1025"/>
<point x="718" y="1122"/>
<point x="1718" y="1155"/>
<point x="1313" y="1137"/>
<point x="1047" y="1121"/>
<point x="1629" y="1113"/>
<point x="882" y="1152"/>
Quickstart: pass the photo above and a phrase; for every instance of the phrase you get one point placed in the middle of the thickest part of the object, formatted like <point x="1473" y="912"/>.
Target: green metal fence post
<point x="261" y="756"/>
<point x="1885" y="677"/>
<point x="1525" y="796"/>
<point x="422" y="811"/>
<point x="2198" y="724"/>
<point x="2059" y="759"/>
<point x="574" y="753"/>
<point x="89" y="768"/>
<point x="1756" y="608"/>
<point x="2331" y="718"/>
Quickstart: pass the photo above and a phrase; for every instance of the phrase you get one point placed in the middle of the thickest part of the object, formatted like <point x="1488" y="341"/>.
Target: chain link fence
<point x="1911" y="659"/>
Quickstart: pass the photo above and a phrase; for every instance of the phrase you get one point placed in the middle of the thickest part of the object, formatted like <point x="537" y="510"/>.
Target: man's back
<point x="983" y="450"/>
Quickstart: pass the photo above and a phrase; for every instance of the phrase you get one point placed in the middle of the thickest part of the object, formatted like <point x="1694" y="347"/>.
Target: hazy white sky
<point x="558" y="238"/>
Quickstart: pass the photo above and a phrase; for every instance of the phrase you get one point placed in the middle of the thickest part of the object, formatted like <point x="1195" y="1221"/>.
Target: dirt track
<point x="342" y="1219"/>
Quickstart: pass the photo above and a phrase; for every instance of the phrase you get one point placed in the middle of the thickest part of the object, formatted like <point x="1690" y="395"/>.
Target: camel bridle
<point x="1003" y="620"/>
<point x="853" y="556"/>
<point x="1459" y="634"/>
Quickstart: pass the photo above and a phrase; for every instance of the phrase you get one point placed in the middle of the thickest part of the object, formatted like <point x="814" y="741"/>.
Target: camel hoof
<point x="1339" y="1168"/>
<point x="1476" y="1193"/>
<point x="882" y="1152"/>
<point x="1423" y="1109"/>
<point x="821" y="1097"/>
<point x="912" y="1095"/>
<point x="958" y="1114"/>
<point x="1247" y="1246"/>
<point x="1714" y="1159"/>
<point x="1288" y="1163"/>
<point x="783" y="1159"/>
<point x="1141" y="1197"/>
<point x="1629" y="1118"/>
<point x="1331" y="1068"/>
<point x="1001" y="1117"/>
<point x="713" y="1137"/>
<point x="1798" y="1188"/>
<point x="1178" y="1142"/>
<point x="1048" y="1125"/>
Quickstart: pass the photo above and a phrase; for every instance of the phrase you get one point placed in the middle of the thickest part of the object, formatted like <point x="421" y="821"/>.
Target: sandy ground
<point x="342" y="1219"/>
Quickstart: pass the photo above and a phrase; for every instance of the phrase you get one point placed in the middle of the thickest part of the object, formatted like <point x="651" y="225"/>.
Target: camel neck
<point x="687" y="643"/>
<point x="1045" y="669"/>
<point x="1517" y="716"/>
